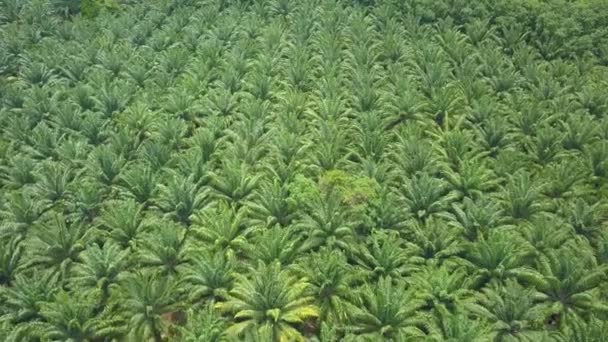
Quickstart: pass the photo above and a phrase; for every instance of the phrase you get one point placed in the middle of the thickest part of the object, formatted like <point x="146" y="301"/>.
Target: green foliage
<point x="283" y="170"/>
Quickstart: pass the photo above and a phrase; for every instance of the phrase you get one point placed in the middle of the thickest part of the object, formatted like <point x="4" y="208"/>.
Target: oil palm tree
<point x="385" y="255"/>
<point x="275" y="244"/>
<point x="209" y="274"/>
<point x="424" y="196"/>
<point x="146" y="296"/>
<point x="511" y="311"/>
<point x="327" y="223"/>
<point x="11" y="259"/>
<point x="331" y="279"/>
<point x="163" y="248"/>
<point x="180" y="198"/>
<point x="123" y="221"/>
<point x="57" y="244"/>
<point x="385" y="311"/>
<point x="235" y="183"/>
<point x="443" y="289"/>
<point x="99" y="268"/>
<point x="272" y="205"/>
<point x="270" y="299"/>
<point x="499" y="257"/>
<point x="567" y="284"/>
<point x="434" y="242"/>
<point x="68" y="318"/>
<point x="221" y="227"/>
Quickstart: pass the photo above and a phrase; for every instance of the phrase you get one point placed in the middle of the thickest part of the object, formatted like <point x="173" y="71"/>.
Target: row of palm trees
<point x="320" y="170"/>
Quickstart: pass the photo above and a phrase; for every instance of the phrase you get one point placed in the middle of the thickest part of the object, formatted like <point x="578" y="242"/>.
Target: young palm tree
<point x="387" y="311"/>
<point x="511" y="311"/>
<point x="327" y="222"/>
<point x="11" y="259"/>
<point x="146" y="296"/>
<point x="331" y="279"/>
<point x="70" y="317"/>
<point x="99" y="268"/>
<point x="271" y="299"/>
<point x="384" y="255"/>
<point x="435" y="242"/>
<point x="424" y="196"/>
<point x="210" y="274"/>
<point x="475" y="219"/>
<point x="123" y="221"/>
<point x="234" y="183"/>
<point x="276" y="244"/>
<point x="163" y="249"/>
<point x="106" y="164"/>
<point x="57" y="244"/>
<point x="204" y="325"/>
<point x="576" y="329"/>
<point x="221" y="228"/>
<point x="24" y="298"/>
<point x="272" y="205"/>
<point x="499" y="257"/>
<point x="472" y="179"/>
<point x="180" y="198"/>
<point x="521" y="197"/>
<point x="569" y="284"/>
<point x="443" y="289"/>
<point x="460" y="328"/>
<point x="21" y="212"/>
<point x="139" y="182"/>
<point x="545" y="234"/>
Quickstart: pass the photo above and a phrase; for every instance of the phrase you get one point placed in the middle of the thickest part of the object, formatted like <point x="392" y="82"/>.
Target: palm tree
<point x="435" y="242"/>
<point x="203" y="325"/>
<point x="106" y="164"/>
<point x="276" y="244"/>
<point x="123" y="221"/>
<point x="99" y="268"/>
<point x="210" y="274"/>
<point x="386" y="310"/>
<point x="234" y="183"/>
<point x="163" y="248"/>
<point x="585" y="219"/>
<point x="221" y="227"/>
<point x="546" y="233"/>
<point x="272" y="205"/>
<point x="327" y="223"/>
<point x="57" y="244"/>
<point x="568" y="280"/>
<point x="511" y="311"/>
<point x="271" y="299"/>
<point x="384" y="255"/>
<point x="499" y="257"/>
<point x="146" y="296"/>
<point x="24" y="298"/>
<point x="181" y="198"/>
<point x="10" y="259"/>
<point x="576" y="329"/>
<point x="413" y="157"/>
<point x="460" y="328"/>
<point x="521" y="197"/>
<point x="472" y="179"/>
<point x="139" y="182"/>
<point x="72" y="317"/>
<point x="424" y="196"/>
<point x="443" y="289"/>
<point x="331" y="279"/>
<point x="477" y="218"/>
<point x="21" y="212"/>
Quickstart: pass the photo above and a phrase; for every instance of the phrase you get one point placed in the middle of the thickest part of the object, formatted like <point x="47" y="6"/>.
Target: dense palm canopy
<point x="322" y="170"/>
